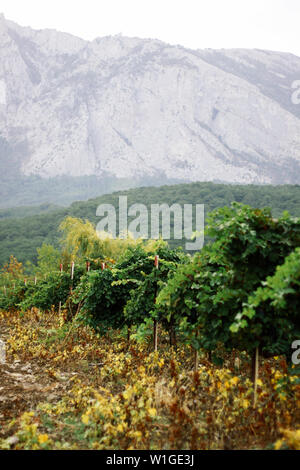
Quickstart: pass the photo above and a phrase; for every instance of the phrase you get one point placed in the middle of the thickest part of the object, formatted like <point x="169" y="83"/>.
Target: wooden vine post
<point x="59" y="305"/>
<point x="155" y="332"/>
<point x="70" y="315"/>
<point x="72" y="276"/>
<point x="72" y="270"/>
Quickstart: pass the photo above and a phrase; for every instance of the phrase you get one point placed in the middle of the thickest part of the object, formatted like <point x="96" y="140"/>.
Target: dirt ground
<point x="25" y="384"/>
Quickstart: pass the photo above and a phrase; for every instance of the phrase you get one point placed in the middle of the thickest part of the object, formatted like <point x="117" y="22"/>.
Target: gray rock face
<point x="131" y="107"/>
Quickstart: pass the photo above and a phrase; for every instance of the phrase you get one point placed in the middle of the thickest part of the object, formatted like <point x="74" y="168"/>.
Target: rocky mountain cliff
<point x="129" y="108"/>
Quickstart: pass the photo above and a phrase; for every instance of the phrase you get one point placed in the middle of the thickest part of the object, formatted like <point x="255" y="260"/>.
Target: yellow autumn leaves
<point x="290" y="440"/>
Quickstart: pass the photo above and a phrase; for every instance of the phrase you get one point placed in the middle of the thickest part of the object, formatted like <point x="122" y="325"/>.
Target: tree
<point x="50" y="291"/>
<point x="247" y="245"/>
<point x="101" y="302"/>
<point x="124" y="294"/>
<point x="197" y="299"/>
<point x="11" y="273"/>
<point x="270" y="316"/>
<point x="13" y="268"/>
<point x="142" y="302"/>
<point x="48" y="259"/>
<point x="79" y="239"/>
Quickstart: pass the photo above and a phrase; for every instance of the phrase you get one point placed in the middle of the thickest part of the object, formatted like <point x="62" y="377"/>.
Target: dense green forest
<point x="25" y="211"/>
<point x="21" y="234"/>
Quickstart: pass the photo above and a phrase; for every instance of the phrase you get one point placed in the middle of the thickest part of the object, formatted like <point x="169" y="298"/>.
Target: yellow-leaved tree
<point x="11" y="271"/>
<point x="80" y="240"/>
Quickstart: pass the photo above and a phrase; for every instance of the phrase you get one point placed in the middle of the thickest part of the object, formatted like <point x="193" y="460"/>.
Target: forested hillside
<point x="21" y="236"/>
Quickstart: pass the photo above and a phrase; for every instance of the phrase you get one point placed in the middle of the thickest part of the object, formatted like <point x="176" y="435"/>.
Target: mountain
<point x="130" y="109"/>
<point x="22" y="233"/>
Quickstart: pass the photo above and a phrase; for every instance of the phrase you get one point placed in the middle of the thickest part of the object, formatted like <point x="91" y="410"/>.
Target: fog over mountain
<point x="135" y="108"/>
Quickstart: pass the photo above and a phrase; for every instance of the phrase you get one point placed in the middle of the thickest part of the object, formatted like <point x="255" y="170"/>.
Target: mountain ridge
<point x="133" y="108"/>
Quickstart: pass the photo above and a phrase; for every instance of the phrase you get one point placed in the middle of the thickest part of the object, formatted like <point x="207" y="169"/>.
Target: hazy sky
<point x="264" y="24"/>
